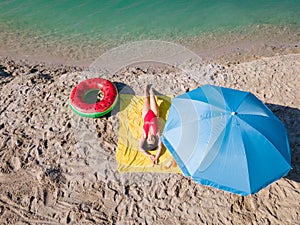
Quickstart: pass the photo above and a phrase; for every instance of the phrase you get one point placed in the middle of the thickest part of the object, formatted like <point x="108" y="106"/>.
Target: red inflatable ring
<point x="93" y="97"/>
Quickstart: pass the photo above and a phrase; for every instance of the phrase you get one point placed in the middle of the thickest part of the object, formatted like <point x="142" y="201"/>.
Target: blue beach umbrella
<point x="227" y="139"/>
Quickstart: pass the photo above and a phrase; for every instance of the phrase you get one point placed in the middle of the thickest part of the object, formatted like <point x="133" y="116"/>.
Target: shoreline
<point x="241" y="45"/>
<point x="47" y="176"/>
<point x="238" y="52"/>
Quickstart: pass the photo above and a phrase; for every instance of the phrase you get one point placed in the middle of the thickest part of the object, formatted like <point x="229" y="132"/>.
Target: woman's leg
<point x="153" y="103"/>
<point x="146" y="106"/>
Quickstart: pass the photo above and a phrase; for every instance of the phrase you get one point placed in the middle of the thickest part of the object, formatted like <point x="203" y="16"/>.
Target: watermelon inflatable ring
<point x="93" y="97"/>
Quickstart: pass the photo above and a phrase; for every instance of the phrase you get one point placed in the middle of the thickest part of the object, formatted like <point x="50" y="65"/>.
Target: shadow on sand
<point x="291" y="119"/>
<point x="3" y="73"/>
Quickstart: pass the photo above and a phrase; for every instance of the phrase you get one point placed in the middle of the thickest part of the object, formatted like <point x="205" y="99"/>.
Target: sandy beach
<point x="58" y="168"/>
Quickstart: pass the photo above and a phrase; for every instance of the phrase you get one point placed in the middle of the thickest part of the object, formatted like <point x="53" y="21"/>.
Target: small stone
<point x="15" y="163"/>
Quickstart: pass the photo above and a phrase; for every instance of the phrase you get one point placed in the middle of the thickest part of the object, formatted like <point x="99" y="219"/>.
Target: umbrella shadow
<point x="291" y="119"/>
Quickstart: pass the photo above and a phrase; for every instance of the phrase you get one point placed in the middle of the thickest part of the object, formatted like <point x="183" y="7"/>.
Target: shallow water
<point x="56" y="27"/>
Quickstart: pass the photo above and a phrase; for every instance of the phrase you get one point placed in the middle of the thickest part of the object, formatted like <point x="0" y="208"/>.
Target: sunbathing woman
<point x="150" y="138"/>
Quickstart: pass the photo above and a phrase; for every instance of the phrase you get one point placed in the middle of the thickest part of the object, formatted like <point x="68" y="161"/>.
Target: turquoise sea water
<point x="106" y="21"/>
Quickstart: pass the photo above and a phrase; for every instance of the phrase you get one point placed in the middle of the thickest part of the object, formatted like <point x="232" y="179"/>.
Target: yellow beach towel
<point x="128" y="156"/>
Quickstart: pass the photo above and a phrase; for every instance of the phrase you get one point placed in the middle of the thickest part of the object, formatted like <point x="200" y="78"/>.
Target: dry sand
<point x="52" y="171"/>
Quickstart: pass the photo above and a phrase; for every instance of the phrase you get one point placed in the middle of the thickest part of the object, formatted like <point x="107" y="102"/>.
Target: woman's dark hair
<point x="149" y="147"/>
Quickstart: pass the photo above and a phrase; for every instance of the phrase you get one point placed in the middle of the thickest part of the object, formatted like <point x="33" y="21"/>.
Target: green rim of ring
<point x="96" y="114"/>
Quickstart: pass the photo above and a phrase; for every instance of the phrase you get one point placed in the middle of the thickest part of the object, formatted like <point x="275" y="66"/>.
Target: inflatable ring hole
<point x="93" y="96"/>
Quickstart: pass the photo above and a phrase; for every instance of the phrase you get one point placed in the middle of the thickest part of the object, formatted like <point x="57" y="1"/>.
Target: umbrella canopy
<point x="227" y="139"/>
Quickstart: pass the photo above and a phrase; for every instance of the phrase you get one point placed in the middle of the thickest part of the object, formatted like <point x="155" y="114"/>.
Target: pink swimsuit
<point x="150" y="119"/>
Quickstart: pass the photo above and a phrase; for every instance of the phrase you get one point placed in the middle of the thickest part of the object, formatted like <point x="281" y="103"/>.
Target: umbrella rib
<point x="193" y="121"/>
<point x="252" y="113"/>
<point x="212" y="144"/>
<point x="226" y="143"/>
<point x="209" y="104"/>
<point x="242" y="100"/>
<point x="263" y="134"/>
<point x="246" y="158"/>
<point x="261" y="115"/>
